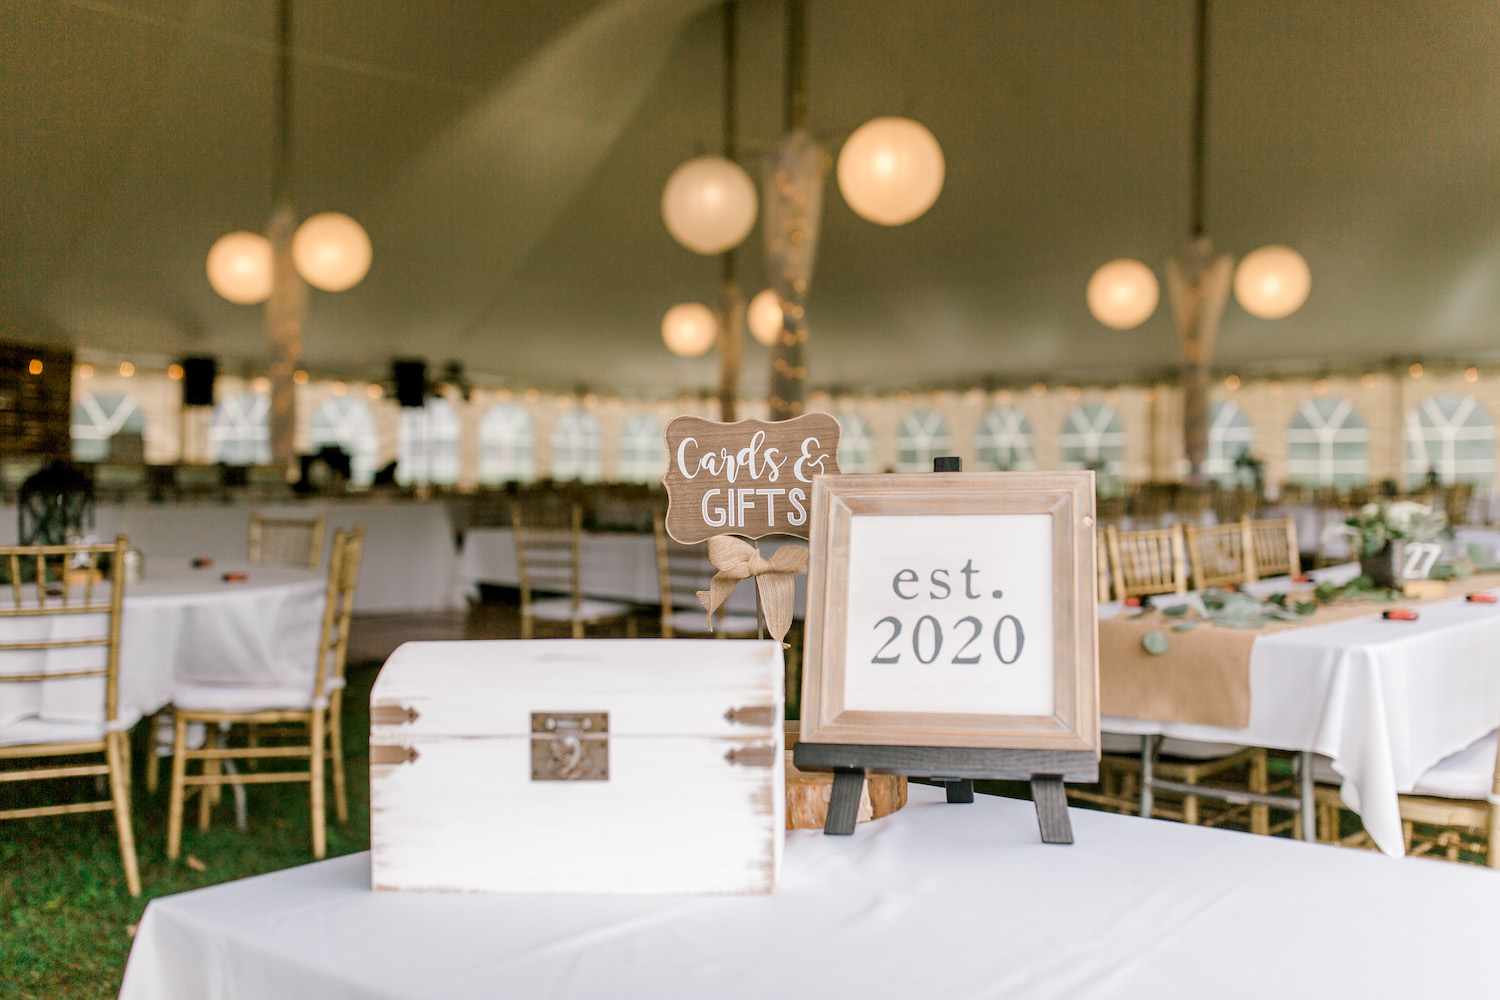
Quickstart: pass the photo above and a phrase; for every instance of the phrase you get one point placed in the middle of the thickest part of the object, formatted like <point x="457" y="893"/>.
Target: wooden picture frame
<point x="1070" y="728"/>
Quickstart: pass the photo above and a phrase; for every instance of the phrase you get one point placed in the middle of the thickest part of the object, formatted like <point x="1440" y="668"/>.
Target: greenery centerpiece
<point x="1383" y="529"/>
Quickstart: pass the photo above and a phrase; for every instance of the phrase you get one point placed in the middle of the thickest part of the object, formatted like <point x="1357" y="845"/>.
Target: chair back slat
<point x="548" y="556"/>
<point x="1273" y="543"/>
<point x="286" y="541"/>
<point x="338" y="606"/>
<point x="62" y="581"/>
<point x="1147" y="562"/>
<point x="1220" y="556"/>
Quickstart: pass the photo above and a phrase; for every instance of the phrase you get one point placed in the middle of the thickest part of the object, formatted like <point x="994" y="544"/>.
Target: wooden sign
<point x="750" y="478"/>
<point x="951" y="631"/>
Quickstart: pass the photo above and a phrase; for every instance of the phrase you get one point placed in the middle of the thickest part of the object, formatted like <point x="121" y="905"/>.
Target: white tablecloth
<point x="1385" y="700"/>
<point x="408" y="559"/>
<point x="941" y="901"/>
<point x="178" y="624"/>
<point x="616" y="566"/>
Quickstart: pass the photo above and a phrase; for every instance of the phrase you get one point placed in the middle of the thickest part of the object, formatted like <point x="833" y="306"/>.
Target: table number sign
<point x="951" y="630"/>
<point x="749" y="479"/>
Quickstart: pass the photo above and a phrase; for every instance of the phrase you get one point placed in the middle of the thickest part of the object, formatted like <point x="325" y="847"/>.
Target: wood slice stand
<point x="956" y="767"/>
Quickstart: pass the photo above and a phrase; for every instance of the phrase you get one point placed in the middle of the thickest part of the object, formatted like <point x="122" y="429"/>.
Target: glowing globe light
<point x="891" y="170"/>
<point x="765" y="317"/>
<point x="689" y="329"/>
<point x="1272" y="282"/>
<point x="1123" y="294"/>
<point x="709" y="204"/>
<point x="239" y="267"/>
<point x="331" y="251"/>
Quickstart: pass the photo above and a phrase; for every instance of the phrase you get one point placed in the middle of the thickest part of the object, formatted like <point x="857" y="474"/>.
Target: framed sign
<point x="954" y="610"/>
<point x="749" y="478"/>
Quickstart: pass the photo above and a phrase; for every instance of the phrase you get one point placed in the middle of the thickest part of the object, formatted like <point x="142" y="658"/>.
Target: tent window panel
<point x="348" y="424"/>
<point x="1003" y="442"/>
<point x="99" y="417"/>
<point x="1451" y="437"/>
<point x="427" y="444"/>
<point x="507" y="445"/>
<point x="1093" y="437"/>
<point x="577" y="447"/>
<point x="856" y="446"/>
<point x="643" y="450"/>
<point x="922" y="436"/>
<point x="1328" y="444"/>
<point x="240" y="430"/>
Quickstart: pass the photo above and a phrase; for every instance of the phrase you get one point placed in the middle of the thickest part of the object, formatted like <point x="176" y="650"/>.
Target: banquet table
<point x="1384" y="700"/>
<point x="178" y="624"/>
<point x="618" y="566"/>
<point x="934" y="900"/>
<point x="407" y="564"/>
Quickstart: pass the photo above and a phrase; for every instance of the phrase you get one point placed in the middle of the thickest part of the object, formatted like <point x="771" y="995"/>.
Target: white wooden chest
<point x="590" y="766"/>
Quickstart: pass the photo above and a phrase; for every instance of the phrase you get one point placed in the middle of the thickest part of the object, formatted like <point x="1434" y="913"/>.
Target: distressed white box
<point x="583" y="766"/>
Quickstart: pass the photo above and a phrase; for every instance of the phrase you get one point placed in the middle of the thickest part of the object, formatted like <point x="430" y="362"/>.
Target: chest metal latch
<point x="569" y="746"/>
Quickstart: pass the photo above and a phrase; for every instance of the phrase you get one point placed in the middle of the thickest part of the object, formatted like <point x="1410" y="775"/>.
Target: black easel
<point x="956" y="767"/>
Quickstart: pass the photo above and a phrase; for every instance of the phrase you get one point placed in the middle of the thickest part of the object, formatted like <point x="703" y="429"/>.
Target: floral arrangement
<point x="1378" y="524"/>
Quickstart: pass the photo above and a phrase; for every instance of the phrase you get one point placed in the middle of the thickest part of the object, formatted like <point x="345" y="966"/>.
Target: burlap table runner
<point x="1204" y="676"/>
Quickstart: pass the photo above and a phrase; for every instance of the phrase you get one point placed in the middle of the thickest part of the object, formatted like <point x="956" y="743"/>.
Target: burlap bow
<point x="736" y="560"/>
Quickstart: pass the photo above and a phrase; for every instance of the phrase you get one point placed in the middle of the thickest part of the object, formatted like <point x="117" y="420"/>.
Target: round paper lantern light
<point x="1272" y="282"/>
<point x="891" y="170"/>
<point x="331" y="251"/>
<point x="709" y="204"/>
<point x="239" y="267"/>
<point x="689" y="329"/>
<point x="765" y="317"/>
<point x="1123" y="294"/>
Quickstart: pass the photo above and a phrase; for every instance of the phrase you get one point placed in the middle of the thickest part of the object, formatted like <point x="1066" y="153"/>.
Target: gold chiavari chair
<point x="549" y="559"/>
<point x="1454" y="806"/>
<point x="60" y="606"/>
<point x="1221" y="556"/>
<point x="1147" y="562"/>
<point x="684" y="570"/>
<point x="1273" y="545"/>
<point x="1144" y="563"/>
<point x="310" y="716"/>
<point x="286" y="541"/>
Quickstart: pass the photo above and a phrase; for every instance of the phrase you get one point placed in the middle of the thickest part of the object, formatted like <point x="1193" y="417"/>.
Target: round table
<point x="184" y="624"/>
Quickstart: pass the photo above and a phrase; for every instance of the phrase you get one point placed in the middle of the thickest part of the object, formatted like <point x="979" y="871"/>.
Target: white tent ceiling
<point x="507" y="160"/>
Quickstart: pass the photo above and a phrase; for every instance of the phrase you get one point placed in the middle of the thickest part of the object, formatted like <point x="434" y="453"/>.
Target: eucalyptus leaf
<point x="1175" y="611"/>
<point x="1156" y="642"/>
<point x="1185" y="626"/>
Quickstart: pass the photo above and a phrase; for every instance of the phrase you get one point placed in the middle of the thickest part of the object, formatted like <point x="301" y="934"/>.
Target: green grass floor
<point x="66" y="919"/>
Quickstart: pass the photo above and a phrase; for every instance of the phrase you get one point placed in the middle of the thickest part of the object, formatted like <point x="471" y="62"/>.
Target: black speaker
<point x="198" y="376"/>
<point x="411" y="382"/>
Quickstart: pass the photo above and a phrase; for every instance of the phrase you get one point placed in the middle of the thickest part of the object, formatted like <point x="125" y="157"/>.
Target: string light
<point x="127" y="369"/>
<point x="174" y="372"/>
<point x="339" y="388"/>
<point x="1232" y="382"/>
<point x="35" y="367"/>
<point x="261" y="384"/>
<point x="1273" y="387"/>
<point x="1039" y="389"/>
<point x="1320" y="386"/>
<point x="1416" y="370"/>
<point x="1367" y="380"/>
<point x="1471" y="374"/>
<point x="299" y="376"/>
<point x="374" y="391"/>
<point x="85" y="371"/>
